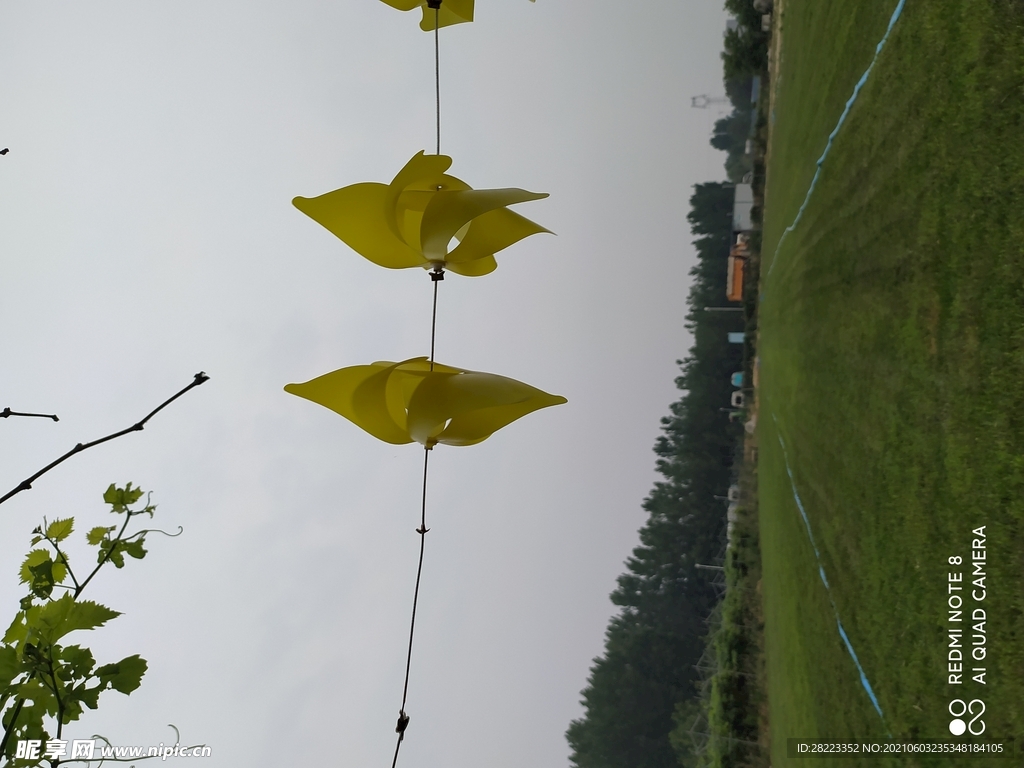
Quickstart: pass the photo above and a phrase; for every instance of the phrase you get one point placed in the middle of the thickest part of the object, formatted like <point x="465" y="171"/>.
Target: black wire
<point x="437" y="75"/>
<point x="403" y="718"/>
<point x="398" y="746"/>
<point x="433" y="326"/>
<point x="422" y="531"/>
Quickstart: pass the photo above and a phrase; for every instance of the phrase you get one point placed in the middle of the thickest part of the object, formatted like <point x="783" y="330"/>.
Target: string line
<point x="403" y="718"/>
<point x="437" y="75"/>
<point x="437" y="276"/>
<point x="433" y="326"/>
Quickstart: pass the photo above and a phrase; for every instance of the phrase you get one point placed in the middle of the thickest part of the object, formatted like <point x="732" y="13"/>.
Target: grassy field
<point x="892" y="356"/>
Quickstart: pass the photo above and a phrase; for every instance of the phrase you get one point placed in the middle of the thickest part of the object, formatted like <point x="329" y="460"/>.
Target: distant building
<point x="734" y="280"/>
<point x="737" y="263"/>
<point x="743" y="202"/>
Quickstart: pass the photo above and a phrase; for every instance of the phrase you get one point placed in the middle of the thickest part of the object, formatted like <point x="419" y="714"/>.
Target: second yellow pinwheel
<point x="407" y="401"/>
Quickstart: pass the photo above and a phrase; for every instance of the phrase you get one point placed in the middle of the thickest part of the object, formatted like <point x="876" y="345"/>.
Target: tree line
<point x="642" y="690"/>
<point x="652" y="645"/>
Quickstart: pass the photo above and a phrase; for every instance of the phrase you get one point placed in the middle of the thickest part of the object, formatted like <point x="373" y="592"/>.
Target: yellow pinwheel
<point x="450" y="11"/>
<point x="416" y="219"/>
<point x="405" y="402"/>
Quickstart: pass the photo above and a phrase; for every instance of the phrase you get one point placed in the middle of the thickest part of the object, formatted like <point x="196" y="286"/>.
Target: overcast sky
<point x="147" y="233"/>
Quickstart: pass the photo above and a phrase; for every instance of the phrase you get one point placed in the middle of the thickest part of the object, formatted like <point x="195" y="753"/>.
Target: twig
<point x="13" y="722"/>
<point x="26" y="484"/>
<point x="56" y="693"/>
<point x="7" y="412"/>
<point x="107" y="555"/>
<point x="63" y="559"/>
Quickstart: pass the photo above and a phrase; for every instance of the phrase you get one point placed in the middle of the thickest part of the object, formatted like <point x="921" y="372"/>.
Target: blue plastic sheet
<point x="821" y="573"/>
<point x="835" y="131"/>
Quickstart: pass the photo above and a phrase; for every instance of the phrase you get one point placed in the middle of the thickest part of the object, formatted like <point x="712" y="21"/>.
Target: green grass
<point x="892" y="354"/>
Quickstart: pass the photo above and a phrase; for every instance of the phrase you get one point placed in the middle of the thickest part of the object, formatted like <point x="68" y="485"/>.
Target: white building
<point x="743" y="202"/>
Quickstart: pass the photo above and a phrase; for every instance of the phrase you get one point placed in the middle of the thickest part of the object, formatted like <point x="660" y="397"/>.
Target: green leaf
<point x="16" y="632"/>
<point x="29" y="726"/>
<point x="95" y="536"/>
<point x="42" y="573"/>
<point x="10" y="665"/>
<point x="134" y="548"/>
<point x="33" y="690"/>
<point x="110" y="496"/>
<point x="59" y="530"/>
<point x="59" y="617"/>
<point x="111" y="550"/>
<point x="43" y="578"/>
<point x="72" y="707"/>
<point x="34" y="558"/>
<point x="89" y="695"/>
<point x="78" y="662"/>
<point x="124" y="676"/>
<point x="121" y="498"/>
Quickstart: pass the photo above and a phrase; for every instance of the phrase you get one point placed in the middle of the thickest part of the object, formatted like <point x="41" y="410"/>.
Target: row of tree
<point x="652" y="645"/>
<point x="744" y="56"/>
<point x="648" y="671"/>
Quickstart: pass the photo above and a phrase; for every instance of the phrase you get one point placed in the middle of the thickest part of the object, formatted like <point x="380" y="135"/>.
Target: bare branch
<point x="26" y="484"/>
<point x="7" y="413"/>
